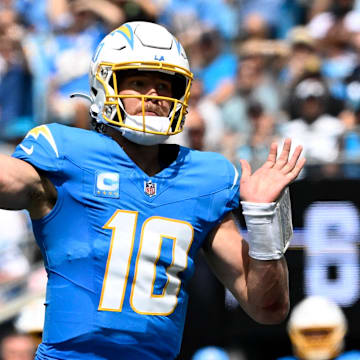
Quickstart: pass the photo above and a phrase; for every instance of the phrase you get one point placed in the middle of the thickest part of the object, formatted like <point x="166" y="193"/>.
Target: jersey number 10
<point x="143" y="299"/>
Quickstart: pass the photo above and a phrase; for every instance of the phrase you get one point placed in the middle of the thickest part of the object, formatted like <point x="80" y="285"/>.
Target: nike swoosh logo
<point x="29" y="150"/>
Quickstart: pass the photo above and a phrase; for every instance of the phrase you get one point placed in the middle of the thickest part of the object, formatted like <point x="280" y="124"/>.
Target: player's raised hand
<point x="266" y="184"/>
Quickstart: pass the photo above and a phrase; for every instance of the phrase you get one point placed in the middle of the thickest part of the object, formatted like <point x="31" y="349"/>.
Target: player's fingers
<point x="293" y="160"/>
<point x="293" y="174"/>
<point x="284" y="155"/>
<point x="245" y="169"/>
<point x="271" y="159"/>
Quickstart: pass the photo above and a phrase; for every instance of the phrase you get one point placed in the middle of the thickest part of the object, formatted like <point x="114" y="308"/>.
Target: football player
<point x="317" y="327"/>
<point x="119" y="216"/>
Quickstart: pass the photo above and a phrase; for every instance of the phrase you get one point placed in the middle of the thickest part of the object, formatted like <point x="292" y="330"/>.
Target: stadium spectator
<point x="217" y="66"/>
<point x="339" y="19"/>
<point x="16" y="112"/>
<point x="263" y="133"/>
<point x="195" y="130"/>
<point x="30" y="319"/>
<point x="211" y="114"/>
<point x="36" y="15"/>
<point x="253" y="83"/>
<point x="334" y="30"/>
<point x="17" y="346"/>
<point x="350" y="116"/>
<point x="317" y="328"/>
<point x="187" y="18"/>
<point x="77" y="41"/>
<point x="269" y="18"/>
<point x="221" y="15"/>
<point x="14" y="238"/>
<point x="302" y="58"/>
<point x="312" y="125"/>
<point x="317" y="7"/>
<point x="115" y="12"/>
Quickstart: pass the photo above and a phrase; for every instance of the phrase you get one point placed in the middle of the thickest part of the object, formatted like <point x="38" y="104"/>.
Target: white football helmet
<point x="317" y="327"/>
<point x="140" y="46"/>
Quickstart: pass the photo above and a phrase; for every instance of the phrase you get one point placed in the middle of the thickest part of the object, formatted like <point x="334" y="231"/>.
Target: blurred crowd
<point x="264" y="70"/>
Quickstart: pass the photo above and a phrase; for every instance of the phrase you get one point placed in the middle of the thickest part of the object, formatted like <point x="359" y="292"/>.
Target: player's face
<point x="146" y="83"/>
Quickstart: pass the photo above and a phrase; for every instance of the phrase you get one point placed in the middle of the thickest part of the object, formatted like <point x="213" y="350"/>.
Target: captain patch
<point x="107" y="184"/>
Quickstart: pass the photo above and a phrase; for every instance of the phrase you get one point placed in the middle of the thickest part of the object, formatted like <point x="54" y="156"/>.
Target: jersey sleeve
<point x="234" y="187"/>
<point x="228" y="198"/>
<point x="40" y="148"/>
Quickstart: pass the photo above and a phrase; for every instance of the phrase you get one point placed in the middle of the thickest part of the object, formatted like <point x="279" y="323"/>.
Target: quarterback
<point x="119" y="216"/>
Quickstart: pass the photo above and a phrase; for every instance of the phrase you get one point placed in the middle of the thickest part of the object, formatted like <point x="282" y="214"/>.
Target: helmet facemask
<point x="318" y="343"/>
<point x="144" y="129"/>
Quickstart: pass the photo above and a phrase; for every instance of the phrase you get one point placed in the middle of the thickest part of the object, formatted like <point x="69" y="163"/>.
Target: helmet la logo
<point x="159" y="58"/>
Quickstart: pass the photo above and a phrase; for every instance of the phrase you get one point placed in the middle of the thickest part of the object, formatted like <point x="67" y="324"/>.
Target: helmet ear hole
<point x="94" y="91"/>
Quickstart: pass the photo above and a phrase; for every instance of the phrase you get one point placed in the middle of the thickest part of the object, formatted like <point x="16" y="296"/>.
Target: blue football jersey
<point x="119" y="246"/>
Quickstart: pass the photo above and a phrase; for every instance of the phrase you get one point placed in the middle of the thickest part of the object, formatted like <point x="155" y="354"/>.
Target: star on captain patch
<point x="149" y="188"/>
<point x="107" y="184"/>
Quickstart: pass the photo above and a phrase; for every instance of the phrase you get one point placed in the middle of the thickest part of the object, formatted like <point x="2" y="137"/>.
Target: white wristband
<point x="269" y="227"/>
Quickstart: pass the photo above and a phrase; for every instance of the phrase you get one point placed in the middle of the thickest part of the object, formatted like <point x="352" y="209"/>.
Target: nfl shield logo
<point x="149" y="188"/>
